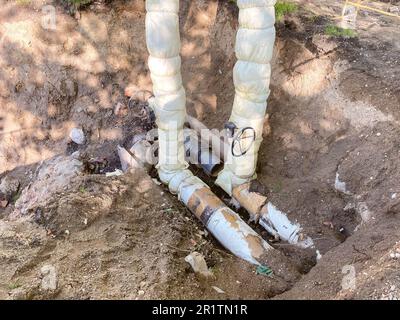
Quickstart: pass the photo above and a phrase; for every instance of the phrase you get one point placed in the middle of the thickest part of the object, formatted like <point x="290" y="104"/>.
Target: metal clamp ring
<point x="237" y="139"/>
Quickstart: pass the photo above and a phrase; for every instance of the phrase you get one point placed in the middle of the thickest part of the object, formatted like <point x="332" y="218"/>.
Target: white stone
<point x="218" y="289"/>
<point x="49" y="277"/>
<point x="77" y="136"/>
<point x="340" y="185"/>
<point x="198" y="263"/>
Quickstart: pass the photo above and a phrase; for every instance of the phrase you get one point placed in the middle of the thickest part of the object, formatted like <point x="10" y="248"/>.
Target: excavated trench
<point x="329" y="107"/>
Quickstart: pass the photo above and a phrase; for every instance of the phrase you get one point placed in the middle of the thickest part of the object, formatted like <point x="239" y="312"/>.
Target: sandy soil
<point x="333" y="117"/>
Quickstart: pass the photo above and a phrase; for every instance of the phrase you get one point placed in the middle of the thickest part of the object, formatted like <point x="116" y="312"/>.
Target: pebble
<point x="9" y="186"/>
<point x="49" y="277"/>
<point x="395" y="255"/>
<point x="77" y="136"/>
<point x="198" y="264"/>
<point x="218" y="289"/>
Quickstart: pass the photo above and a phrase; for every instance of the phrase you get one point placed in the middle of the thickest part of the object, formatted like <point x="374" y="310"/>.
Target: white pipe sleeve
<point x="163" y="43"/>
<point x="254" y="48"/>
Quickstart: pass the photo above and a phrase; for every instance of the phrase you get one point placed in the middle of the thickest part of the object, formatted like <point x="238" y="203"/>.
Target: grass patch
<point x="282" y="8"/>
<point x="80" y="2"/>
<point x="13" y="285"/>
<point x="23" y="2"/>
<point x="336" y="31"/>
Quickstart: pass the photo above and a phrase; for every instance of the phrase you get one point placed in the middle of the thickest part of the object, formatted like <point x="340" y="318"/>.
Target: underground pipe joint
<point x="197" y="152"/>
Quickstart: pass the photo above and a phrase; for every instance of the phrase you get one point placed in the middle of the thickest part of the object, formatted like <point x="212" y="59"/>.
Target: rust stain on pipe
<point x="255" y="245"/>
<point x="252" y="201"/>
<point x="254" y="242"/>
<point x="232" y="219"/>
<point x="203" y="203"/>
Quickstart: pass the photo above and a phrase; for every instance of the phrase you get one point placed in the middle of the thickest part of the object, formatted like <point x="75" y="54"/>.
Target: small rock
<point x="363" y="210"/>
<point x="49" y="277"/>
<point x="116" y="173"/>
<point x="9" y="186"/>
<point x="395" y="255"/>
<point x="349" y="207"/>
<point x="198" y="264"/>
<point x="141" y="293"/>
<point x="77" y="136"/>
<point x="218" y="289"/>
<point x="341" y="185"/>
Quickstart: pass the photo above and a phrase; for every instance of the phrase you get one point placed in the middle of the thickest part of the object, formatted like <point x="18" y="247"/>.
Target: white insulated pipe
<point x="254" y="48"/>
<point x="169" y="103"/>
<point x="222" y="222"/>
<point x="255" y="40"/>
<point x="163" y="43"/>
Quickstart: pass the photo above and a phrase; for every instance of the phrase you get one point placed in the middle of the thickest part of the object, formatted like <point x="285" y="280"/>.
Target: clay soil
<point x="329" y="158"/>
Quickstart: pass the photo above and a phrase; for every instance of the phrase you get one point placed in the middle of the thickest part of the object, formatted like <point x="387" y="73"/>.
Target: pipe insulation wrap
<point x="164" y="44"/>
<point x="254" y="49"/>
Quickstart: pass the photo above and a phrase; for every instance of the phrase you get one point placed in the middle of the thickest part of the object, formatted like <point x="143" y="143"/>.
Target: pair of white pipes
<point x="254" y="47"/>
<point x="252" y="72"/>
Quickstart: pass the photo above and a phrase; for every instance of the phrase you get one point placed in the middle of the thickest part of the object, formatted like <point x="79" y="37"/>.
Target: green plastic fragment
<point x="265" y="271"/>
